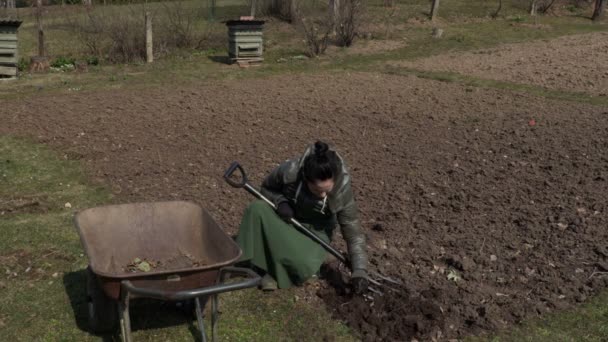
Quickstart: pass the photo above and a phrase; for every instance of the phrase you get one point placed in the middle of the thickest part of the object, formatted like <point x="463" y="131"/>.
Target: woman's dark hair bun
<point x="322" y="164"/>
<point x="321" y="148"/>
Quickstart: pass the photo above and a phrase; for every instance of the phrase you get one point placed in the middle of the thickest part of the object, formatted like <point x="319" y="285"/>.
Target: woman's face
<point x="320" y="188"/>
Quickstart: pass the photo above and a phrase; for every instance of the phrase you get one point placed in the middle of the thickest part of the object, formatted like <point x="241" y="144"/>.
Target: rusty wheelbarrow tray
<point x="114" y="235"/>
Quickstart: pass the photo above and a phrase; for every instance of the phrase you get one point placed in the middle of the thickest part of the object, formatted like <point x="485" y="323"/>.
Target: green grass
<point x="466" y="24"/>
<point x="473" y="36"/>
<point x="42" y="276"/>
<point x="585" y="323"/>
<point x="452" y="77"/>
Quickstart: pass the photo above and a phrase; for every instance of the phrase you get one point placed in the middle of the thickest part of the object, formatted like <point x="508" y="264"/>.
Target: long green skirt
<point x="278" y="248"/>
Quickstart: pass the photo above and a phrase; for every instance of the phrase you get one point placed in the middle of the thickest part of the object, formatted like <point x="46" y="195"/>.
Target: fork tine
<point x="388" y="279"/>
<point x="371" y="289"/>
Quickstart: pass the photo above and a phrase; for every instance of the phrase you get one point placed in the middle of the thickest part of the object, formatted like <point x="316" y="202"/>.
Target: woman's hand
<point x="359" y="285"/>
<point x="285" y="211"/>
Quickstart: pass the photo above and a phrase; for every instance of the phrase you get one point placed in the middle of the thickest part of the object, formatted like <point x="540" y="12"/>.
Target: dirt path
<point x="572" y="63"/>
<point x="484" y="214"/>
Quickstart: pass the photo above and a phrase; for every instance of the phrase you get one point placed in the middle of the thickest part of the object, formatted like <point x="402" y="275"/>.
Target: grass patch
<point x="462" y="33"/>
<point x="585" y="323"/>
<point x="31" y="173"/>
<point x="446" y="76"/>
<point x="466" y="26"/>
<point x="42" y="278"/>
<point x="473" y="36"/>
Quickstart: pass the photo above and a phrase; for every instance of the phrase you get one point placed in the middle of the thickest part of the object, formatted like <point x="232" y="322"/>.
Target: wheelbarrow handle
<point x="233" y="167"/>
<point x="252" y="280"/>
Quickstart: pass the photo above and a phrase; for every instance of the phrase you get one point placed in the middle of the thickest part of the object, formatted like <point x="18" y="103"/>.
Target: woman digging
<point x="315" y="189"/>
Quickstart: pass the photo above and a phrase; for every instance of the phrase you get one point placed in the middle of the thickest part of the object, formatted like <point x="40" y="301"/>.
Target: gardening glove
<point x="285" y="211"/>
<point x="359" y="285"/>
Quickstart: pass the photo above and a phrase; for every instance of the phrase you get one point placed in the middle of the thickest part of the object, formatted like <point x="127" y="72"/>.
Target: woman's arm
<point x="351" y="231"/>
<point x="272" y="186"/>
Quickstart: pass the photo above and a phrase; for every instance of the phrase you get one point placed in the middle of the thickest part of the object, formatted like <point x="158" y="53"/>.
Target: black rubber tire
<point x="102" y="311"/>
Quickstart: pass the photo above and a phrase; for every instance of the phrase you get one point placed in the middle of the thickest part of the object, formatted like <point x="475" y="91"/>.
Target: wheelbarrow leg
<point x="215" y="306"/>
<point x="125" y="319"/>
<point x="199" y="319"/>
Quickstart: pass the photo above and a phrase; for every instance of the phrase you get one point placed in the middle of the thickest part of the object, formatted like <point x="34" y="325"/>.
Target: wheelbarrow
<point x="192" y="255"/>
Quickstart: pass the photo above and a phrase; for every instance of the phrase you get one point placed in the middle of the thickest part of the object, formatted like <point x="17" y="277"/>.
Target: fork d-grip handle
<point x="233" y="167"/>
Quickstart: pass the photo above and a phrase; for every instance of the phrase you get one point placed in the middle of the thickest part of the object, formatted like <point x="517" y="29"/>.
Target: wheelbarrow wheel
<point x="102" y="311"/>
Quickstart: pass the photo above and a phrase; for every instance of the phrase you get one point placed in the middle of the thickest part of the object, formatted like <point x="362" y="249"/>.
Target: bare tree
<point x="41" y="50"/>
<point x="599" y="9"/>
<point x="390" y="13"/>
<point x="434" y="9"/>
<point x="497" y="12"/>
<point x="293" y="10"/>
<point x="283" y="9"/>
<point x="40" y="62"/>
<point x="334" y="7"/>
<point x="545" y="6"/>
<point x="533" y="8"/>
<point x="317" y="34"/>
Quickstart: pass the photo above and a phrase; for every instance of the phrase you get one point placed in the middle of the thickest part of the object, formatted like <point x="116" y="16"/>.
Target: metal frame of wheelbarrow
<point x="375" y="279"/>
<point x="128" y="290"/>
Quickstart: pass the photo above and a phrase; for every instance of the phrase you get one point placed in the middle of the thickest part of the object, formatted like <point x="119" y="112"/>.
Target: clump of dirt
<point x="142" y="265"/>
<point x="394" y="316"/>
<point x="23" y="205"/>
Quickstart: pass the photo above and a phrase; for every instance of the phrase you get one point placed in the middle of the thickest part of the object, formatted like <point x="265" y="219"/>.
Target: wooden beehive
<point x="245" y="40"/>
<point x="9" y="56"/>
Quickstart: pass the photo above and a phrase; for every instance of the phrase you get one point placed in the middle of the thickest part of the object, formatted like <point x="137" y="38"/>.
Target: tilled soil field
<point x="490" y="206"/>
<point x="571" y="63"/>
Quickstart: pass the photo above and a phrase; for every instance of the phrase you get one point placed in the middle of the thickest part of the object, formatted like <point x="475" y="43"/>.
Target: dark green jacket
<point x="285" y="183"/>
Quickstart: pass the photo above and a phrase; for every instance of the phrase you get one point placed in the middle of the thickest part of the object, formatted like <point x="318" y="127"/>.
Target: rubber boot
<point x="268" y="283"/>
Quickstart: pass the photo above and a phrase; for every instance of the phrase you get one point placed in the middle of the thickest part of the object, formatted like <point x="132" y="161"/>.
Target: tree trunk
<point x="599" y="9"/>
<point x="533" y="8"/>
<point x="41" y="51"/>
<point x="149" y="49"/>
<point x="293" y="11"/>
<point x="495" y="14"/>
<point x="333" y="13"/>
<point x="10" y="4"/>
<point x="39" y="63"/>
<point x="434" y="9"/>
<point x="254" y="5"/>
